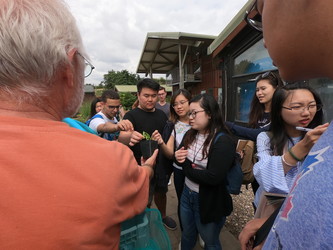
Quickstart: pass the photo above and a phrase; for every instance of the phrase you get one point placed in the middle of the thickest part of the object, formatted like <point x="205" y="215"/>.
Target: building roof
<point x="161" y="50"/>
<point x="88" y="88"/>
<point x="229" y="32"/>
<point x="133" y="89"/>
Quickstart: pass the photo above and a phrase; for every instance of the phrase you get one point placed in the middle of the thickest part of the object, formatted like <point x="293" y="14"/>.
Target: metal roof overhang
<point x="162" y="50"/>
<point x="230" y="31"/>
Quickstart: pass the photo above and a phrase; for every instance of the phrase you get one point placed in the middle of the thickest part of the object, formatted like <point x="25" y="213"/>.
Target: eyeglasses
<point x="181" y="103"/>
<point x="300" y="109"/>
<point x="256" y="24"/>
<point x="114" y="107"/>
<point x="88" y="68"/>
<point x="194" y="113"/>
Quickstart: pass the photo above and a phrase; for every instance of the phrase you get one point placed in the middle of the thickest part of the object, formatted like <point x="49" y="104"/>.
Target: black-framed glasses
<point x="254" y="23"/>
<point x="194" y="113"/>
<point x="181" y="103"/>
<point x="300" y="108"/>
<point x="88" y="68"/>
<point x="114" y="107"/>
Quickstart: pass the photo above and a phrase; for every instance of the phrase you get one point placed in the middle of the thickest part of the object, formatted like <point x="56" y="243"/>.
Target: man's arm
<point x="109" y="127"/>
<point x="244" y="132"/>
<point x="130" y="138"/>
<point x="246" y="237"/>
<point x="125" y="137"/>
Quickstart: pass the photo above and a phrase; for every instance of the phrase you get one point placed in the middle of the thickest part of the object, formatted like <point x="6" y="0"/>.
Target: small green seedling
<point x="146" y="135"/>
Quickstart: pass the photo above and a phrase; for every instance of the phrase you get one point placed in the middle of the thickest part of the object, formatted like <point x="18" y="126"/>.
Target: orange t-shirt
<point x="62" y="188"/>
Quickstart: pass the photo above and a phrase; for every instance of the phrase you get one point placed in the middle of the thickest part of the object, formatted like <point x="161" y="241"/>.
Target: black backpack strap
<point x="264" y="230"/>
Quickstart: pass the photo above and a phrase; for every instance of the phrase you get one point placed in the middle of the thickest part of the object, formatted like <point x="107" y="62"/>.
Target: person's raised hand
<point x="156" y="136"/>
<point x="125" y="125"/>
<point x="312" y="136"/>
<point x="181" y="155"/>
<point x="136" y="137"/>
<point x="150" y="162"/>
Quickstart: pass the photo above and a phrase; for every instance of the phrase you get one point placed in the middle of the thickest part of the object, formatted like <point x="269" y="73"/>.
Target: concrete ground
<point x="228" y="241"/>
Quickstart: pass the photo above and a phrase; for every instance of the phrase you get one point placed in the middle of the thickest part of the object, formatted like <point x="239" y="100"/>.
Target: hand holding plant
<point x="156" y="136"/>
<point x="148" y="145"/>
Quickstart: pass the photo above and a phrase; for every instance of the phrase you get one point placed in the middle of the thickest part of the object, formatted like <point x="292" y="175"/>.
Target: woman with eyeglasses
<point x="172" y="136"/>
<point x="205" y="201"/>
<point x="281" y="150"/>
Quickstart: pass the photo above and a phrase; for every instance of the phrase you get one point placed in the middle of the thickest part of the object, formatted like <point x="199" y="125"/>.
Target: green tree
<point x="127" y="100"/>
<point x="113" y="78"/>
<point x="161" y="81"/>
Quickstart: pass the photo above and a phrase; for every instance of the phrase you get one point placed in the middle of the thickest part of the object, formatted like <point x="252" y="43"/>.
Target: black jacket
<point x="214" y="198"/>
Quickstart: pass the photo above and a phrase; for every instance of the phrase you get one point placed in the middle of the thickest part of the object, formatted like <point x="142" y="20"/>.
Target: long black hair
<point x="258" y="109"/>
<point x="93" y="107"/>
<point x="279" y="137"/>
<point x="216" y="124"/>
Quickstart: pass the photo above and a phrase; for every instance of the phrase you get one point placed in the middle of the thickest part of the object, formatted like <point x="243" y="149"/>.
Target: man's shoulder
<point x="98" y="116"/>
<point x="160" y="112"/>
<point x="164" y="105"/>
<point x="132" y="113"/>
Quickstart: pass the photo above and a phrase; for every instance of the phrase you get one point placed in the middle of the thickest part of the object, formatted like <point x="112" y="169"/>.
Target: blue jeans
<point x="179" y="180"/>
<point x="189" y="211"/>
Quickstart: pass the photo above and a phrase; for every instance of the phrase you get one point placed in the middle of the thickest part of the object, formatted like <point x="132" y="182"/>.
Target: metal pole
<point x="181" y="76"/>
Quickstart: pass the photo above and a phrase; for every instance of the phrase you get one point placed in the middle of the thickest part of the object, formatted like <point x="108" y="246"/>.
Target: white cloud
<point x="114" y="31"/>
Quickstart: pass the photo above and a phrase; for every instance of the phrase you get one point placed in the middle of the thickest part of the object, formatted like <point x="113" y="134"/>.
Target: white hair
<point x="35" y="36"/>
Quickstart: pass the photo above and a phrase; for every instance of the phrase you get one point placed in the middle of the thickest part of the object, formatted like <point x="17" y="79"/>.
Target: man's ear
<point x="69" y="72"/>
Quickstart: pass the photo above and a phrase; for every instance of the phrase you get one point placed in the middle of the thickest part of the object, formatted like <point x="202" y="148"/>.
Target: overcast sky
<point x="114" y="31"/>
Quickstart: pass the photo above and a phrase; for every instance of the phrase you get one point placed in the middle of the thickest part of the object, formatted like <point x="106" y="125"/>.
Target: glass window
<point x="255" y="59"/>
<point x="324" y="87"/>
<point x="244" y="95"/>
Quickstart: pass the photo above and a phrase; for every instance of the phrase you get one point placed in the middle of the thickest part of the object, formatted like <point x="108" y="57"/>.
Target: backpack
<point x="95" y="116"/>
<point x="235" y="174"/>
<point x="110" y="136"/>
<point x="78" y="125"/>
<point x="246" y="149"/>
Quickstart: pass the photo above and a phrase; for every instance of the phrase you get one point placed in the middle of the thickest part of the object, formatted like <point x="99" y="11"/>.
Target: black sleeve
<point x="246" y="133"/>
<point x="220" y="159"/>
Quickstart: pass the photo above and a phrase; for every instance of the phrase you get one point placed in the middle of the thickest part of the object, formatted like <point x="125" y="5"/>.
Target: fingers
<point x="245" y="240"/>
<point x="156" y="136"/>
<point x="319" y="130"/>
<point x="181" y="155"/>
<point x="313" y="135"/>
<point x="125" y="125"/>
<point x="325" y="125"/>
<point x="136" y="137"/>
<point x="151" y="160"/>
<point x="246" y="235"/>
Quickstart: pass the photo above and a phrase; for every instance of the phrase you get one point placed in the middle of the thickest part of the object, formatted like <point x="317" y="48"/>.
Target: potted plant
<point x="147" y="145"/>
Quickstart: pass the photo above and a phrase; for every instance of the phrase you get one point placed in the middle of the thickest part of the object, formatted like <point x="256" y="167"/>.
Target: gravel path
<point x="242" y="213"/>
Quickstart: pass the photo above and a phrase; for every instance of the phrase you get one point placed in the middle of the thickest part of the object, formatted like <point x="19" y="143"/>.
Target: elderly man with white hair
<point x="56" y="192"/>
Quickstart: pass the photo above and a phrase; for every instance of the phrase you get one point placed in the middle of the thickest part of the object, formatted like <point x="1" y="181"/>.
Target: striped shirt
<point x="269" y="171"/>
<point x="195" y="156"/>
